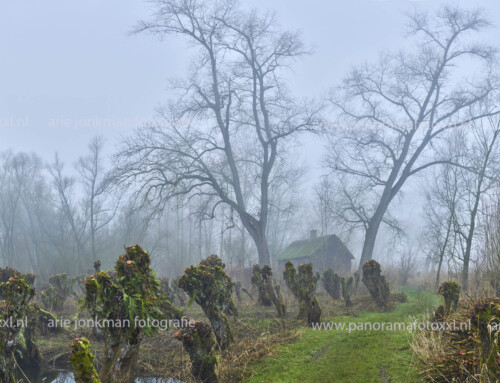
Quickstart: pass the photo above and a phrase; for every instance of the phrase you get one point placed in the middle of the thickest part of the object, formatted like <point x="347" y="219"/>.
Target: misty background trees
<point x="217" y="171"/>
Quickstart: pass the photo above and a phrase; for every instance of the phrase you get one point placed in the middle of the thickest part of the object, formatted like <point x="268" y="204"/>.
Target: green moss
<point x="450" y="291"/>
<point x="486" y="319"/>
<point x="303" y="249"/>
<point x="199" y="343"/>
<point x="209" y="286"/>
<point x="331" y="283"/>
<point x="131" y="292"/>
<point x="302" y="283"/>
<point x="82" y="362"/>
<point x="15" y="294"/>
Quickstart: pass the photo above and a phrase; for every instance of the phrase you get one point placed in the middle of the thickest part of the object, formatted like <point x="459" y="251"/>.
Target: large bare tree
<point x="233" y="112"/>
<point x="397" y="109"/>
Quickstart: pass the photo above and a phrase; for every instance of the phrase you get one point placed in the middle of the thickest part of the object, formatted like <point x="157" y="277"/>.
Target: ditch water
<point x="56" y="376"/>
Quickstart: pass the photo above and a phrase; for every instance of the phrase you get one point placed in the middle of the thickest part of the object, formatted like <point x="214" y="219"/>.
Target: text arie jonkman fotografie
<point x="163" y="324"/>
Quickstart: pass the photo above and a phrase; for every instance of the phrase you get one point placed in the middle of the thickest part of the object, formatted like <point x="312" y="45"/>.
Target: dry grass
<point x="234" y="363"/>
<point x="451" y="356"/>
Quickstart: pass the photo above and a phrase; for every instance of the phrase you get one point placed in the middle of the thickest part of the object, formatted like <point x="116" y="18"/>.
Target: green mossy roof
<point x="308" y="248"/>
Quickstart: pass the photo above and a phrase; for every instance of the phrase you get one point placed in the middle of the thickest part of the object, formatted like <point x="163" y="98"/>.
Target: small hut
<point x="323" y="252"/>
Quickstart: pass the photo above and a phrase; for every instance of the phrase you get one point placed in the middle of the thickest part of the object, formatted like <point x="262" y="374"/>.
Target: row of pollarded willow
<point x="302" y="282"/>
<point x="132" y="293"/>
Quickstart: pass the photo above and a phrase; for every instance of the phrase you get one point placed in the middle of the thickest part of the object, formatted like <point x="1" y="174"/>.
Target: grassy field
<point x="338" y="356"/>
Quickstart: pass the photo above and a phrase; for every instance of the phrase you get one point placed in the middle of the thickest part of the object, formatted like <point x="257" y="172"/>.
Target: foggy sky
<point x="71" y="69"/>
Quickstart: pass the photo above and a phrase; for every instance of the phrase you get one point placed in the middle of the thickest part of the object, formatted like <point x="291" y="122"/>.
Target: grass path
<point x="334" y="356"/>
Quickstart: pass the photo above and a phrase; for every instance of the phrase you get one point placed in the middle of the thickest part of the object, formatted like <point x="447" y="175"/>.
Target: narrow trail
<point x="335" y="355"/>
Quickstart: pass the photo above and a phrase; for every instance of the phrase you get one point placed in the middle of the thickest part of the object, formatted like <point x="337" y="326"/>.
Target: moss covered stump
<point x="451" y="292"/>
<point x="302" y="283"/>
<point x="376" y="283"/>
<point x="486" y="318"/>
<point x="262" y="278"/>
<point x="15" y="294"/>
<point x="347" y="285"/>
<point x="258" y="280"/>
<point x="199" y="343"/>
<point x="82" y="361"/>
<point x="121" y="299"/>
<point x="331" y="283"/>
<point x="209" y="286"/>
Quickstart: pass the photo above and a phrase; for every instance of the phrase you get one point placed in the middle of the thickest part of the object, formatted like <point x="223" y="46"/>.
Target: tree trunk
<point x="199" y="343"/>
<point x="370" y="237"/>
<point x="119" y="361"/>
<point x="438" y="275"/>
<point x="376" y="283"/>
<point x="313" y="311"/>
<point x="278" y="302"/>
<point x="259" y="280"/>
<point x="82" y="361"/>
<point x="257" y="230"/>
<point x="263" y="250"/>
<point x="7" y="361"/>
<point x="464" y="281"/>
<point x="220" y="326"/>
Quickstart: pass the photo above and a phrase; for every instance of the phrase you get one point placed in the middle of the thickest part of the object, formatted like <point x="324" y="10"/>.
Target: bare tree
<point x="99" y="206"/>
<point x="64" y="187"/>
<point x="463" y="189"/>
<point x="407" y="266"/>
<point x="478" y="181"/>
<point x="490" y="248"/>
<point x="439" y="237"/>
<point x="398" y="108"/>
<point x="20" y="181"/>
<point x="348" y="203"/>
<point x="233" y="112"/>
<point x="10" y="198"/>
<point x="323" y="198"/>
